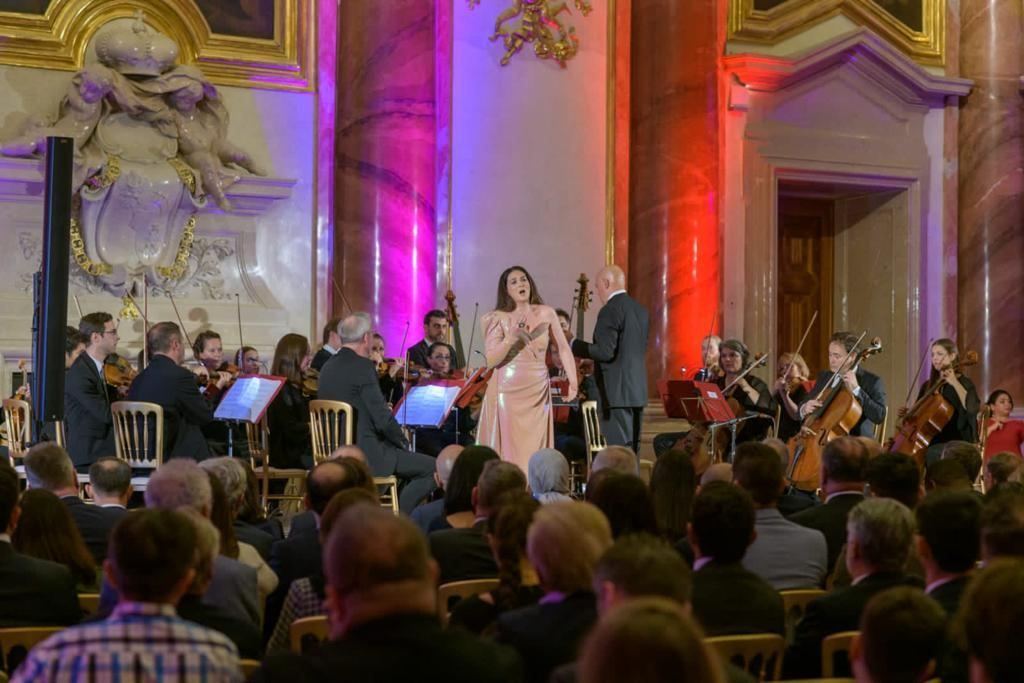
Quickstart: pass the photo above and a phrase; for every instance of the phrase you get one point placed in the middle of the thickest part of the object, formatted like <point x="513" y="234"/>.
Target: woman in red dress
<point x="1003" y="434"/>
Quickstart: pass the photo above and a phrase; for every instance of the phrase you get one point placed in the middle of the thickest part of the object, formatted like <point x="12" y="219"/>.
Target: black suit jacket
<point x="94" y="523"/>
<point x="351" y="378"/>
<point x="320" y="359"/>
<point x="548" y="635"/>
<point x="242" y="632"/>
<point x="949" y="594"/>
<point x="297" y="557"/>
<point x="728" y="600"/>
<point x="402" y="647"/>
<point x="185" y="410"/>
<point x="837" y="611"/>
<point x="35" y="592"/>
<point x="619" y="350"/>
<point x="872" y="399"/>
<point x="463" y="554"/>
<point x="254" y="536"/>
<point x="90" y="428"/>
<point x="830" y="520"/>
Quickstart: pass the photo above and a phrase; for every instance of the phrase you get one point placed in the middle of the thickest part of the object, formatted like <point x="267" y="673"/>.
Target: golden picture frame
<point x="925" y="44"/>
<point x="279" y="55"/>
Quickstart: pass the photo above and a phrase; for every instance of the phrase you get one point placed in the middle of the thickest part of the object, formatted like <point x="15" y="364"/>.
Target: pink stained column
<point x="385" y="235"/>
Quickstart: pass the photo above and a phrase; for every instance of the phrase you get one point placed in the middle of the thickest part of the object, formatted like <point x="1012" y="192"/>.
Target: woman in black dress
<point x="288" y="415"/>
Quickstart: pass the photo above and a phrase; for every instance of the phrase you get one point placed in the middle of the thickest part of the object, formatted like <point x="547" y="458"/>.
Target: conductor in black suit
<point x="350" y="376"/>
<point x="166" y="383"/>
<point x="866" y="387"/>
<point x="87" y="396"/>
<point x="619" y="350"/>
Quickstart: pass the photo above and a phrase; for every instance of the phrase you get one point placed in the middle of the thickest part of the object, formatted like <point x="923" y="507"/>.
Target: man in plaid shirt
<point x="151" y="564"/>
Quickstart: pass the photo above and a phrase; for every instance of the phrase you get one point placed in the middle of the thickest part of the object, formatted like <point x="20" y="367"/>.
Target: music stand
<point x="426" y="406"/>
<point x="694" y="401"/>
<point x="247" y="400"/>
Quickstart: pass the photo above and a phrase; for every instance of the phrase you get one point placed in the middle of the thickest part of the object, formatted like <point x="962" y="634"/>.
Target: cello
<point x="453" y="320"/>
<point x="928" y="416"/>
<point x="839" y="413"/>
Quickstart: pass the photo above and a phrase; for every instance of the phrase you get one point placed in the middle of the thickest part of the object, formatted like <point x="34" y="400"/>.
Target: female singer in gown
<point x="515" y="419"/>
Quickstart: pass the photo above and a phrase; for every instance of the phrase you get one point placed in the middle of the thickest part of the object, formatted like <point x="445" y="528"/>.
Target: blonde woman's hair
<point x="787" y="357"/>
<point x="564" y="543"/>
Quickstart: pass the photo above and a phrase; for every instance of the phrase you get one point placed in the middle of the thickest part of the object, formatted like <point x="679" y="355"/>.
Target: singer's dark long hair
<point x="505" y="302"/>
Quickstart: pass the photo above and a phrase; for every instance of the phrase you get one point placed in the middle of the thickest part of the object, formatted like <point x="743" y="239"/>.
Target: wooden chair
<point x="646" y="470"/>
<point x="880" y="428"/>
<point x="18" y="420"/>
<point x="89" y="603"/>
<point x="249" y="667"/>
<point x="61" y="433"/>
<point x="389" y="498"/>
<point x="794" y="603"/>
<point x="759" y="654"/>
<point x="258" y="436"/>
<point x="305" y="631"/>
<point x="446" y="592"/>
<point x="837" y="643"/>
<point x="139" y="436"/>
<point x="325" y="424"/>
<point x="18" y="641"/>
<point x="592" y="431"/>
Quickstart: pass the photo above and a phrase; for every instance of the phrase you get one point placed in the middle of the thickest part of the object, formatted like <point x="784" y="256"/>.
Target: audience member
<point x="548" y="476"/>
<point x="306" y="596"/>
<point x="519" y="585"/>
<point x="564" y="543"/>
<point x="879" y="532"/>
<point x="965" y="453"/>
<point x="252" y="511"/>
<point x="151" y="566"/>
<point x="727" y="597"/>
<point x="381" y="605"/>
<point x="673" y="486"/>
<point x="357" y="475"/>
<point x="873" y="448"/>
<point x="622" y="459"/>
<point x="843" y="476"/>
<point x="1002" y="468"/>
<point x="231" y="474"/>
<point x="47" y="466"/>
<point x="783" y="553"/>
<point x="458" y="496"/>
<point x="900" y="639"/>
<point x="791" y="501"/>
<point x="33" y="592"/>
<point x="626" y="501"/>
<point x="948" y="542"/>
<point x="720" y="471"/>
<point x="110" y="485"/>
<point x="1002" y="526"/>
<point x="465" y="554"/>
<point x="430" y="513"/>
<point x="896" y="476"/>
<point x="947" y="475"/>
<point x="46" y="531"/>
<point x="651" y="640"/>
<point x="992" y="618"/>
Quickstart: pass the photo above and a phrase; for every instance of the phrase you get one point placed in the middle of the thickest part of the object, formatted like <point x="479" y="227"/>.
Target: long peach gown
<point x="515" y="419"/>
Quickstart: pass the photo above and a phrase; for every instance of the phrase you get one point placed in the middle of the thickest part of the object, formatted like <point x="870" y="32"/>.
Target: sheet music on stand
<point x="427" y="405"/>
<point x="248" y="398"/>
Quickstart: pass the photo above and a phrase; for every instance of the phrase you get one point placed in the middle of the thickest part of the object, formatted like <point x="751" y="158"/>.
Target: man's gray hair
<point x="619" y="458"/>
<point x="180" y="483"/>
<point x="48" y="466"/>
<point x="354" y="327"/>
<point x="231" y="475"/>
<point x="207" y="545"/>
<point x="884" y="529"/>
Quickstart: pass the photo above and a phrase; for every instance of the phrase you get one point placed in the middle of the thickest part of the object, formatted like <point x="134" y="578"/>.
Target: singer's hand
<point x="572" y="393"/>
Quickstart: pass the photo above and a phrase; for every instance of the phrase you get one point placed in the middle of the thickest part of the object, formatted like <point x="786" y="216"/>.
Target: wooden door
<point x="806" y="229"/>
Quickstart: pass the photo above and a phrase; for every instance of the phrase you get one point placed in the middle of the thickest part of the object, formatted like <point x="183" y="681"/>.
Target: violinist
<point x="1002" y="433"/>
<point x="957" y="390"/>
<point x="248" y="361"/>
<point x="750" y="392"/>
<point x="709" y="351"/>
<point x="208" y="349"/>
<point x="865" y="386"/>
<point x="435" y="330"/>
<point x="290" y="444"/>
<point x="391" y="385"/>
<point x="331" y="343"/>
<point x="87" y="396"/>
<point x="74" y="345"/>
<point x="569" y="438"/>
<point x="791" y="388"/>
<point x="459" y="425"/>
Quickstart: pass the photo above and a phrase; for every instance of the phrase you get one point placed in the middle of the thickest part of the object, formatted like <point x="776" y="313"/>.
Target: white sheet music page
<point x="426" y="405"/>
<point x="248" y="398"/>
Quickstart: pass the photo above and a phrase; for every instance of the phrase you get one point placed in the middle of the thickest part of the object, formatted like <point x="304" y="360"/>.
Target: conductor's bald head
<point x="609" y="279"/>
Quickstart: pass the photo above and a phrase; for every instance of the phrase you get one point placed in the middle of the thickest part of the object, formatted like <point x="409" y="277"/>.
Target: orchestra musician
<point x="958" y="390"/>
<point x="569" y="436"/>
<point x="391" y="385"/>
<point x="1002" y="433"/>
<point x="750" y="392"/>
<point x="74" y="345"/>
<point x="435" y="330"/>
<point x="173" y="387"/>
<point x="208" y="350"/>
<point x="865" y="386"/>
<point x="248" y="361"/>
<point x="791" y="388"/>
<point x="87" y="396"/>
<point x="459" y="425"/>
<point x="290" y="443"/>
<point x="331" y="343"/>
<point x="709" y="353"/>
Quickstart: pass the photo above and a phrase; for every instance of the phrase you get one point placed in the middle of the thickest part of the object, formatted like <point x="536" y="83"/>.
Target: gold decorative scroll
<point x="926" y="45"/>
<point x="538" y="24"/>
<point x="57" y="39"/>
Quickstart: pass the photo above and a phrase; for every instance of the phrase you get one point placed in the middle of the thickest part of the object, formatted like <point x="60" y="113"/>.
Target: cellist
<point x="865" y="386"/>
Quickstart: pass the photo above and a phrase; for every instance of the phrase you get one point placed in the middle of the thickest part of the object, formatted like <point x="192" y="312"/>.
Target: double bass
<point x="839" y="413"/>
<point x="928" y="416"/>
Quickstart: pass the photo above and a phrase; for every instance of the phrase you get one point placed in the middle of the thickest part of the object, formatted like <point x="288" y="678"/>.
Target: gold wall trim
<point x="58" y="40"/>
<point x="927" y="46"/>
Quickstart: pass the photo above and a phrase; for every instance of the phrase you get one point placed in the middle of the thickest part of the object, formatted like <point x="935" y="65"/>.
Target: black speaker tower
<point x="51" y="286"/>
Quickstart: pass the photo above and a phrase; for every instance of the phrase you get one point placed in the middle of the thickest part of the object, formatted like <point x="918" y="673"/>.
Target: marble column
<point x="385" y="238"/>
<point x="991" y="241"/>
<point x="674" y="237"/>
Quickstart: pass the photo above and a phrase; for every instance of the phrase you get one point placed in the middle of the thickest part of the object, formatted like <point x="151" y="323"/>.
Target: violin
<point x="118" y="373"/>
<point x="928" y="416"/>
<point x="839" y="413"/>
<point x="310" y="382"/>
<point x="723" y="437"/>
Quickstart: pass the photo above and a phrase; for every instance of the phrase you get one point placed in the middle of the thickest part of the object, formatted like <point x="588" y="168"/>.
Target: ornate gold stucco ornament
<point x="538" y="24"/>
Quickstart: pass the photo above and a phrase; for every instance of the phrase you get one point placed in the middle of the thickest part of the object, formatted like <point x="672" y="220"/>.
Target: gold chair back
<point x="138" y="433"/>
<point x="446" y="592"/>
<point x="258" y="436"/>
<point x="89" y="603"/>
<point x="389" y="496"/>
<point x="880" y="428"/>
<point x="794" y="602"/>
<point x="62" y="435"/>
<point x="833" y="645"/>
<point x="759" y="654"/>
<point x="20" y="640"/>
<point x="249" y="667"/>
<point x="18" y="418"/>
<point x="307" y="628"/>
<point x="592" y="431"/>
<point x="331" y="425"/>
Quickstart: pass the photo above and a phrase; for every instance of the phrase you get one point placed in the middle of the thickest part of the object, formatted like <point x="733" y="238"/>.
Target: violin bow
<point x="799" y="346"/>
<point x="472" y="335"/>
<point x="341" y="295"/>
<point x="145" y="320"/>
<point x="917" y="375"/>
<point x="78" y="305"/>
<point x="241" y="342"/>
<point x="181" y="324"/>
<point x="758" y="362"/>
<point x="711" y="332"/>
